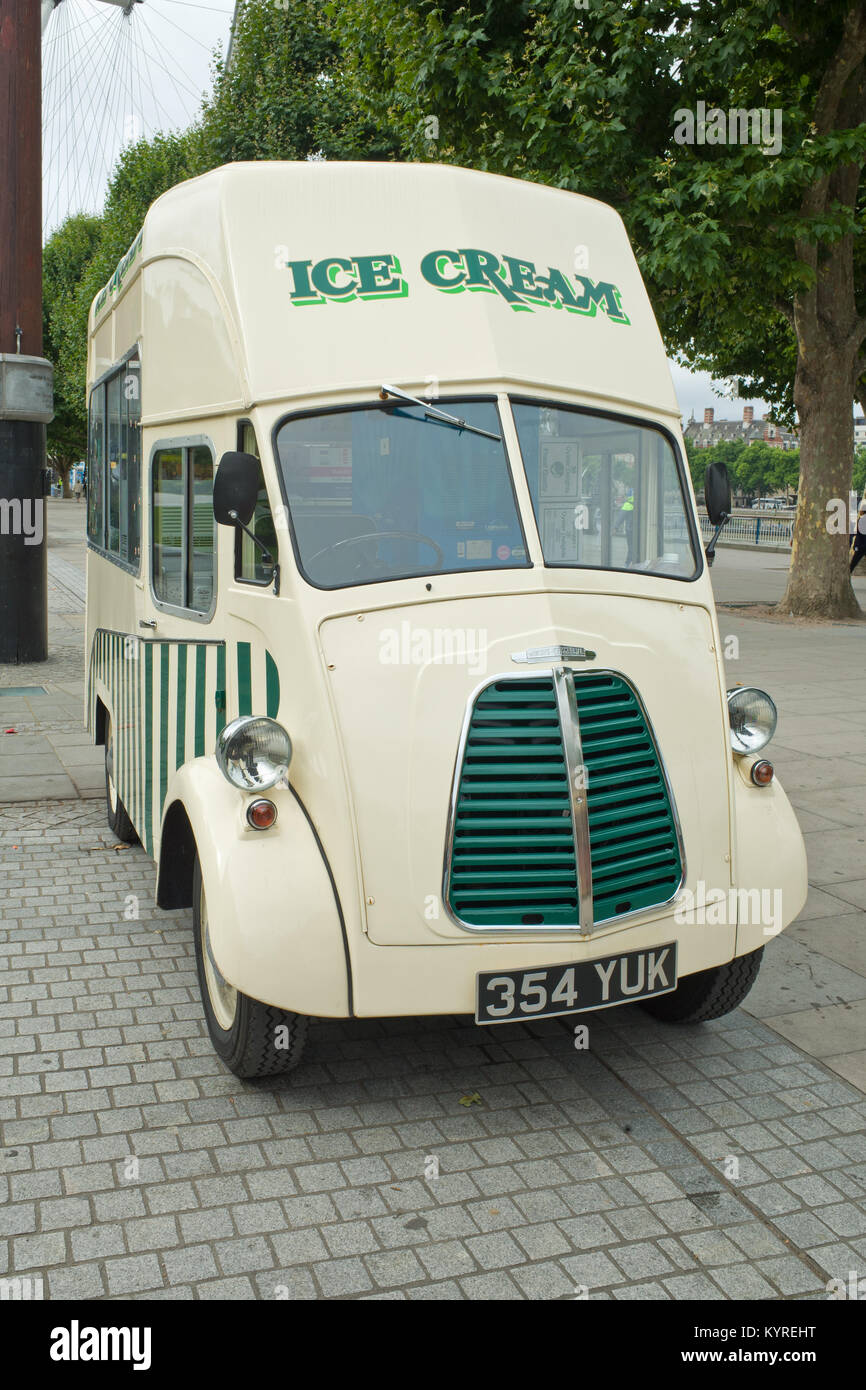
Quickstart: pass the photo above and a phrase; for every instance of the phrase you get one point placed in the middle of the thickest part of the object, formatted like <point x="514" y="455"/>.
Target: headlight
<point x="253" y="753"/>
<point x="752" y="717"/>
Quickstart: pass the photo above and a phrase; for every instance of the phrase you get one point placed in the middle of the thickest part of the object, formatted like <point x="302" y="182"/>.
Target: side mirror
<point x="717" y="491"/>
<point x="236" y="489"/>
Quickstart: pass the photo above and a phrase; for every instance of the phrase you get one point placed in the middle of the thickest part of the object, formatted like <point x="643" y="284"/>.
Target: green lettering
<point x="323" y="276"/>
<point x="303" y="293"/>
<point x="433" y="268"/>
<point x="601" y="295"/>
<point x="557" y="291"/>
<point x="375" y="280"/>
<point x="484" y="274"/>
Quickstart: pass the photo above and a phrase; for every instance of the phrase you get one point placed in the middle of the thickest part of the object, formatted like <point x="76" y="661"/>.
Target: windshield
<point x="383" y="492"/>
<point x="607" y="493"/>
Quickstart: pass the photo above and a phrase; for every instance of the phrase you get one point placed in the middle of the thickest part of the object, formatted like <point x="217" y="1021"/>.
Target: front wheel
<point x="708" y="994"/>
<point x="253" y="1039"/>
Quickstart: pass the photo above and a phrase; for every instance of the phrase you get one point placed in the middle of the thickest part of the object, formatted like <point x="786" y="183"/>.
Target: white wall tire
<point x="253" y="1039"/>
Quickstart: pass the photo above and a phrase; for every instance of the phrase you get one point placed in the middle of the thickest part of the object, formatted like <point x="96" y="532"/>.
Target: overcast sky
<point x="109" y="80"/>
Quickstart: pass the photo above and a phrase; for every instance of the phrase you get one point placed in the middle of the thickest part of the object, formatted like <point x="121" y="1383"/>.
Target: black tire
<point x="246" y="1039"/>
<point x="118" y="820"/>
<point x="709" y="993"/>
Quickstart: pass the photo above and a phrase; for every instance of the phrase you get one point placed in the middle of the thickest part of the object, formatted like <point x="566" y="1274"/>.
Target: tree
<point x="81" y="256"/>
<point x="64" y="260"/>
<point x="285" y="95"/>
<point x="744" y="245"/>
<point x="756" y="468"/>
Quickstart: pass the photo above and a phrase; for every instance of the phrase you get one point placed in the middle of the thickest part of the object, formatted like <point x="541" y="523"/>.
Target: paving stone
<point x="683" y="1287"/>
<point x="190" y="1264"/>
<point x="742" y="1281"/>
<point x="394" y="1268"/>
<point x="642" y="1260"/>
<point x="790" y="1274"/>
<point x="300" y="1247"/>
<point x="642" y="1292"/>
<point x="491" y="1287"/>
<point x="341" y="1278"/>
<point x="133" y="1275"/>
<point x="495" y="1251"/>
<point x="543" y="1281"/>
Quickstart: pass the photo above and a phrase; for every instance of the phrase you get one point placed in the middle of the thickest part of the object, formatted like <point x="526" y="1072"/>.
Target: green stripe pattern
<point x="169" y="701"/>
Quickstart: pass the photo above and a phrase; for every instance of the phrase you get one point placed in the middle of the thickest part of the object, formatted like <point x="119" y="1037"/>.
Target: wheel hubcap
<point x="222" y="995"/>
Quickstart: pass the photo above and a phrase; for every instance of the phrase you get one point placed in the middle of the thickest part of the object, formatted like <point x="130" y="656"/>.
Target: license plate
<point x="509" y="996"/>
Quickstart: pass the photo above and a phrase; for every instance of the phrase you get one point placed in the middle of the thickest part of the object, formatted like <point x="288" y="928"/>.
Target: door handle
<point x="147" y="622"/>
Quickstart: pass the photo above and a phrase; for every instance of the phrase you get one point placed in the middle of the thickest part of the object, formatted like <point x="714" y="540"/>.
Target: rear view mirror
<point x="236" y="489"/>
<point x="717" y="492"/>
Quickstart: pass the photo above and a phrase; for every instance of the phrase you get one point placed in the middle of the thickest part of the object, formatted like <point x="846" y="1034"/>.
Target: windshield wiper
<point x="434" y="414"/>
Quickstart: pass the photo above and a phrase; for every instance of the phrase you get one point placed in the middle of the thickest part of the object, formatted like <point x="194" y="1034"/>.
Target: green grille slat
<point x="513" y="861"/>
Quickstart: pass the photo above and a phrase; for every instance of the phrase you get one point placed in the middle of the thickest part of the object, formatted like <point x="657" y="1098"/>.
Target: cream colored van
<point x="400" y="635"/>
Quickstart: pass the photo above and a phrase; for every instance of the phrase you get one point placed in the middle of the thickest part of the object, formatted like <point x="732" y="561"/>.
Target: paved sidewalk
<point x="44" y="749"/>
<point x="428" y="1158"/>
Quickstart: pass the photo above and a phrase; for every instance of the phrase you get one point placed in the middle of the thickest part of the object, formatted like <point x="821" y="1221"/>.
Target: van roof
<point x="321" y="276"/>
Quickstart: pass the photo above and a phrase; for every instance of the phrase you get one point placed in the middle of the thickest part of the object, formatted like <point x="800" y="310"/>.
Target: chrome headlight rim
<point x="739" y="745"/>
<point x="230" y="769"/>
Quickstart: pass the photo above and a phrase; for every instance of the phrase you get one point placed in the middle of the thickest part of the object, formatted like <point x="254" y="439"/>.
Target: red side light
<point x="762" y="773"/>
<point x="261" y="814"/>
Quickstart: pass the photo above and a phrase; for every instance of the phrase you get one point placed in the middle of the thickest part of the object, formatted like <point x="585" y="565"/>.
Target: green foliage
<point x="286" y="96"/>
<point x="80" y="257"/>
<point x="585" y="99"/>
<point x="64" y="261"/>
<point x="757" y="470"/>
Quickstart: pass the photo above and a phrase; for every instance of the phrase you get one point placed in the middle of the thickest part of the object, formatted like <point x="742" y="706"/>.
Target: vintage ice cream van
<point x="400" y="638"/>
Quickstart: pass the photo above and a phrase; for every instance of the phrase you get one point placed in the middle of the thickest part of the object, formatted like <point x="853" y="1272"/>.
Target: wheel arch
<point x="177" y="852"/>
<point x="275" y="919"/>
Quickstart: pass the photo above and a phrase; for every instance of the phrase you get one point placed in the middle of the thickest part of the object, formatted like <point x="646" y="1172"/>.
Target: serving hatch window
<point x="607" y="493"/>
<point x="386" y="492"/>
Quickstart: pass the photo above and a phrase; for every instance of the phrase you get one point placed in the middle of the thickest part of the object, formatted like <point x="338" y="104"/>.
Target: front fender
<point x="770" y="856"/>
<point x="276" y="928"/>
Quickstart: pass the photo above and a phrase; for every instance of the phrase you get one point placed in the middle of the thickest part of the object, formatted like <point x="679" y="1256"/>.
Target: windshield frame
<point x="640" y="422"/>
<point x="395" y="404"/>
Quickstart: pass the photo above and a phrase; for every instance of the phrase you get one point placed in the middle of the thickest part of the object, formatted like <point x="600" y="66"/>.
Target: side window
<point x="131" y="452"/>
<point x="168" y="538"/>
<point x="184" y="527"/>
<point x="114" y="465"/>
<point x="96" y="467"/>
<point x="200" y="570"/>
<point x="115" y="469"/>
<point x="250" y="563"/>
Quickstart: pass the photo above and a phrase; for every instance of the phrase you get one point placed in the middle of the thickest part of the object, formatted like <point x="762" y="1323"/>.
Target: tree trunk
<point x="829" y="339"/>
<point x="818" y="582"/>
<point x="63" y="467"/>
